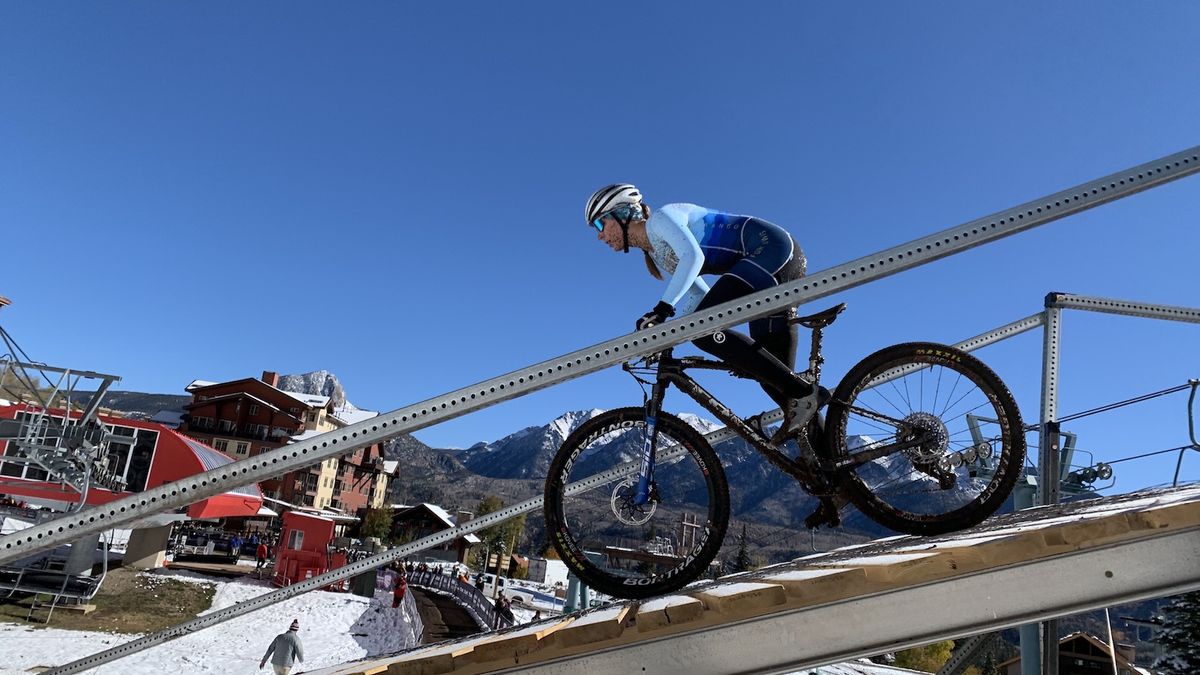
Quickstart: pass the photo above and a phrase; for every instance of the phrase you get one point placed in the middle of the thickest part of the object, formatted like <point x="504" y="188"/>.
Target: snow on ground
<point x="334" y="628"/>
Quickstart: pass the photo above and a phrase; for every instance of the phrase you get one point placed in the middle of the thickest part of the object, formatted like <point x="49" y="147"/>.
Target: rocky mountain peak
<point x="317" y="383"/>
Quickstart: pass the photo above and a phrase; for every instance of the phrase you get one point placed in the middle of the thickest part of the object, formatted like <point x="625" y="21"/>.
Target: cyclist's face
<point x="611" y="234"/>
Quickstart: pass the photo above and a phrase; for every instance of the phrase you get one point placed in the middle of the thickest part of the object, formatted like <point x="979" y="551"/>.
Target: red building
<point x="305" y="549"/>
<point x="250" y="416"/>
<point x="153" y="456"/>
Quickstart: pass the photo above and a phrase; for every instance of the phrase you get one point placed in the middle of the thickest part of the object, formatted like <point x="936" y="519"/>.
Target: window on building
<point x="225" y="425"/>
<point x="308" y="500"/>
<point x="221" y="444"/>
<point x="294" y="410"/>
<point x="139" y="460"/>
<point x="296" y="538"/>
<point x="242" y="448"/>
<point x="253" y="408"/>
<point x="311" y="485"/>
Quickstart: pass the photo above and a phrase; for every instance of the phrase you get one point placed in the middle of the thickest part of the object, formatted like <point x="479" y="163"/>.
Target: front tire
<point x="973" y="441"/>
<point x="615" y="546"/>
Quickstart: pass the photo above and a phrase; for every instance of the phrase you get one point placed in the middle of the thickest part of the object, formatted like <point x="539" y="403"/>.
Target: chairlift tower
<point x="57" y="429"/>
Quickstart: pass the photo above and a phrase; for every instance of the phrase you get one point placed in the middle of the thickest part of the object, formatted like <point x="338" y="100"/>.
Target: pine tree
<point x="377" y="523"/>
<point x="742" y="561"/>
<point x="1180" y="636"/>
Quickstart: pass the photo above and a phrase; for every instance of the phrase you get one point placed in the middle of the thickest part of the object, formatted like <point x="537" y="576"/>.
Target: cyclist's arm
<point x="692" y="297"/>
<point x="669" y="226"/>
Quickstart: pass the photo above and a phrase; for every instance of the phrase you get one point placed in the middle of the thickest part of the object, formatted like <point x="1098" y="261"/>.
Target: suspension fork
<point x="653" y="406"/>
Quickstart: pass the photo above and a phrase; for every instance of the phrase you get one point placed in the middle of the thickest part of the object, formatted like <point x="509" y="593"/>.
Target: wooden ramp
<point x="858" y="601"/>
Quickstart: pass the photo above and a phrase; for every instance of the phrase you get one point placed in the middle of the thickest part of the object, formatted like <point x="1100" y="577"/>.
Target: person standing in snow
<point x="286" y="649"/>
<point x="400" y="590"/>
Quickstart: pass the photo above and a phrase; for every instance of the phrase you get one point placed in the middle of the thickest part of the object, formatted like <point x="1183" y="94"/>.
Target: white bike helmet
<point x="611" y="197"/>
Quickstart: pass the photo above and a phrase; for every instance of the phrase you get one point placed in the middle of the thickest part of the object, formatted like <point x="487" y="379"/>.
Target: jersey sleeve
<point x="692" y="297"/>
<point x="670" y="225"/>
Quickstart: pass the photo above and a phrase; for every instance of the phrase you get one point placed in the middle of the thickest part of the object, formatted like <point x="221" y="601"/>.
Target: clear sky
<point x="393" y="191"/>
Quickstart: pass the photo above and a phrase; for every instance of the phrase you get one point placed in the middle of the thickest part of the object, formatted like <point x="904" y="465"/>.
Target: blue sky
<point x="393" y="191"/>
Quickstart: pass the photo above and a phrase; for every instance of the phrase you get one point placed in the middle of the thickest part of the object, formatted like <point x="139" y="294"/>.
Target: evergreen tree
<point x="742" y="561"/>
<point x="377" y="523"/>
<point x="1180" y="636"/>
<point x="499" y="538"/>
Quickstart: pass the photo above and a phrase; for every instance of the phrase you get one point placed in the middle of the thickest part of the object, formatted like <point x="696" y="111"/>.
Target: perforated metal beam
<point x="1123" y="307"/>
<point x="602" y="355"/>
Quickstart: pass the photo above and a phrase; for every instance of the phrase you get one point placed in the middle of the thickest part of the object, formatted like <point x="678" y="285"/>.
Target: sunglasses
<point x="622" y="213"/>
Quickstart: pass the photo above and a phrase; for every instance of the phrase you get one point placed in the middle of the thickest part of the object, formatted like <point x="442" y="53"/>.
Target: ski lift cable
<point x="1120" y="404"/>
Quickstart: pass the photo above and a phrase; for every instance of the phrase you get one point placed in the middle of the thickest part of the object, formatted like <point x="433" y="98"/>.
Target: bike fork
<point x="649" y="446"/>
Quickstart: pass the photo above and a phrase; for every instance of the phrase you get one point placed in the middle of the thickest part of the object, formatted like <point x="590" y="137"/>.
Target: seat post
<point x="815" y="359"/>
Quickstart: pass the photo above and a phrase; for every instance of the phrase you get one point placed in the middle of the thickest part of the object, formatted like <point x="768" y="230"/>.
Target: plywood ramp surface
<point x="808" y="582"/>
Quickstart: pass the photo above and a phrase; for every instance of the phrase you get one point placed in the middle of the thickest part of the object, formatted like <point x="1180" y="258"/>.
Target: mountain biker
<point x="749" y="254"/>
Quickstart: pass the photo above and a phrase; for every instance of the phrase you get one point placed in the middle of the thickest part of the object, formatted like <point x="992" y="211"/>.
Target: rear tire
<point x="952" y="481"/>
<point x="620" y="549"/>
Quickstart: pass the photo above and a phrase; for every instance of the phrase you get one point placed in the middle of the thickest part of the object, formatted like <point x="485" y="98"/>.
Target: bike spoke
<point x="623" y="541"/>
<point x="919" y="460"/>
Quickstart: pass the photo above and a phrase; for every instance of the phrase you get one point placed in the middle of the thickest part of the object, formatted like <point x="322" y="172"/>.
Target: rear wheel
<point x="966" y="442"/>
<point x="616" y="546"/>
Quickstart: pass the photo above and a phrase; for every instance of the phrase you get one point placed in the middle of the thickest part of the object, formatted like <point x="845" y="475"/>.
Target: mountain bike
<point x="922" y="438"/>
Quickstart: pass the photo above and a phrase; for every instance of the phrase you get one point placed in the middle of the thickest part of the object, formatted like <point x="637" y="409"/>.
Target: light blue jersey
<point x="687" y="240"/>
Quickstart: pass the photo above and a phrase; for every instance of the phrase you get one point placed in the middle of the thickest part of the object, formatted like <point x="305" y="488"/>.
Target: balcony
<point x="227" y="429"/>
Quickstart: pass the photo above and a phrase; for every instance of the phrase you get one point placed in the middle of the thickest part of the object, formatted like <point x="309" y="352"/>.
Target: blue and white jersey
<point x="687" y="240"/>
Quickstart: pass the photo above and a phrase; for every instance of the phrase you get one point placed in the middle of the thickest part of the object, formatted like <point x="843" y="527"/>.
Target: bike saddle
<point x="820" y="319"/>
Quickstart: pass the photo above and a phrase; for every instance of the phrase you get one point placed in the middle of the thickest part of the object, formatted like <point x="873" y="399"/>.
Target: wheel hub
<point x="624" y="508"/>
<point x="932" y="433"/>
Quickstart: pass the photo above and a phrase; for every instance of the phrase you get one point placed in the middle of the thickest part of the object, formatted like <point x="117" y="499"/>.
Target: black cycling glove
<point x="661" y="312"/>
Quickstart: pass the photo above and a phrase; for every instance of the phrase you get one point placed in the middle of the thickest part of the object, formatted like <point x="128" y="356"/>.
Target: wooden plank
<point x="667" y="612"/>
<point x="599" y="626"/>
<point x="508" y="648"/>
<point x="740" y="600"/>
<point x="808" y="587"/>
<point x="892" y="569"/>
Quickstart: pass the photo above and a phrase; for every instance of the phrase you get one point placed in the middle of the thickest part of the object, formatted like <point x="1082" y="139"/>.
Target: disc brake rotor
<point x="624" y="508"/>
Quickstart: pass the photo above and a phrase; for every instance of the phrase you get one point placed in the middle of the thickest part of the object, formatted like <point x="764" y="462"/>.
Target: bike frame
<point x="814" y="468"/>
<point x="808" y="470"/>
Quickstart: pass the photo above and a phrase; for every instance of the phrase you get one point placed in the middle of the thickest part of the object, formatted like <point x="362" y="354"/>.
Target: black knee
<point x="724" y="344"/>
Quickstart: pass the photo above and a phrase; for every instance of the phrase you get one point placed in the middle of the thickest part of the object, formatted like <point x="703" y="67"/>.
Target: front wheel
<point x="929" y="438"/>
<point x="621" y="548"/>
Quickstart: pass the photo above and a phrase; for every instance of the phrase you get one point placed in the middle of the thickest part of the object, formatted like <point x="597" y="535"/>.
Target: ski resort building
<point x="250" y="416"/>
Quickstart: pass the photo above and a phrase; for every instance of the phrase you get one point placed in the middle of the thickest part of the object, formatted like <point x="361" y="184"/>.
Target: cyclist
<point x="749" y="254"/>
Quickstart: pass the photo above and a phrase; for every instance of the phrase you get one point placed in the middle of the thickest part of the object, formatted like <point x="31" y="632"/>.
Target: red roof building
<point x="250" y="416"/>
<point x="153" y="456"/>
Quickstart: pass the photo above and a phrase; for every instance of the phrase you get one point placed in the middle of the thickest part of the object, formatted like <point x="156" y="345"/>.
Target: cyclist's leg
<point x="779" y="339"/>
<point x="774" y="332"/>
<point x="770" y="251"/>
